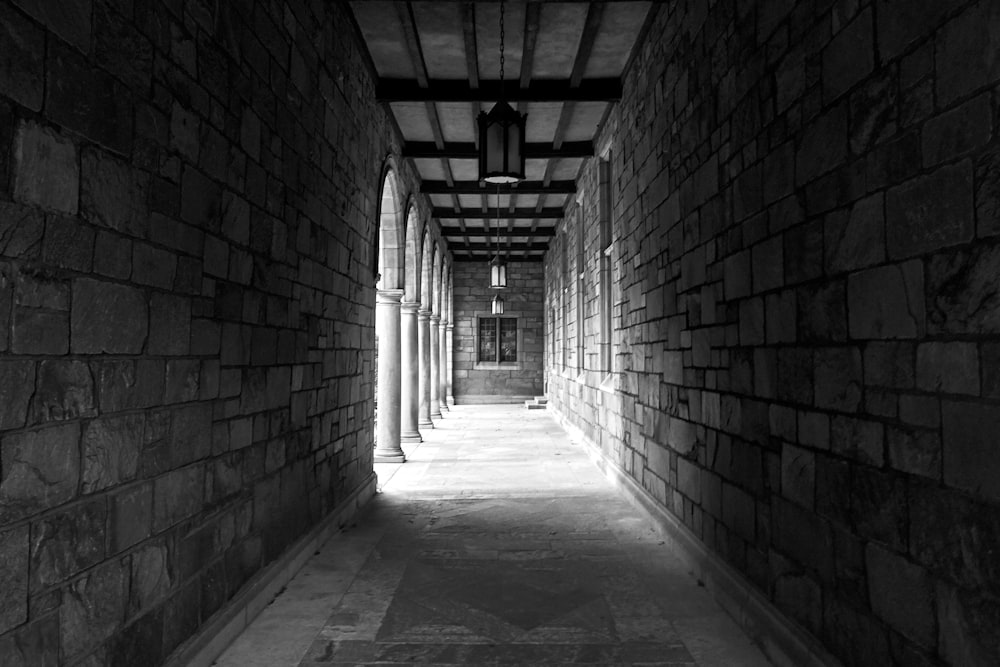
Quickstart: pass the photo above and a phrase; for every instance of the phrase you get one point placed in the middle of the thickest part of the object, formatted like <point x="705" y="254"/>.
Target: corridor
<point x="498" y="542"/>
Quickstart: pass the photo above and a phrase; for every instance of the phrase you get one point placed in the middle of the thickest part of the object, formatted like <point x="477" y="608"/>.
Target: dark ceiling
<point x="438" y="65"/>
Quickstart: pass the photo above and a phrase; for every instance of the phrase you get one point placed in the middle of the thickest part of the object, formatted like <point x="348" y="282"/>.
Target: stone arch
<point x="413" y="259"/>
<point x="426" y="272"/>
<point x="438" y="274"/>
<point x="389" y="234"/>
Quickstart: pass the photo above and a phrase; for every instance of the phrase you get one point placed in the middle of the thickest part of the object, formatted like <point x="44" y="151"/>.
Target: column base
<point x="444" y="406"/>
<point x="428" y="423"/>
<point x="397" y="458"/>
<point x="451" y="401"/>
<point x="436" y="414"/>
<point x="411" y="438"/>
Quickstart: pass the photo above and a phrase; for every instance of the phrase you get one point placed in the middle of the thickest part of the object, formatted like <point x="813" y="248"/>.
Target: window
<point x="564" y="297"/>
<point x="497" y="339"/>
<point x="606" y="245"/>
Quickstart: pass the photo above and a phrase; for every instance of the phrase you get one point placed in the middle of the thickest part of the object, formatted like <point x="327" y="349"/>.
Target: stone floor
<point x="498" y="542"/>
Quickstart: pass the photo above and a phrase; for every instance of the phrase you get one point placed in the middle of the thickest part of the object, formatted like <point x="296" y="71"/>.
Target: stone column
<point x="387" y="319"/>
<point x="410" y="389"/>
<point x="424" y="339"/>
<point x="443" y="365"/>
<point x="435" y="378"/>
<point x="449" y="375"/>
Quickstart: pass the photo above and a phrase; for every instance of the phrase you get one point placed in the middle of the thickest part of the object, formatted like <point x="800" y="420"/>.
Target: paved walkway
<point x="498" y="542"/>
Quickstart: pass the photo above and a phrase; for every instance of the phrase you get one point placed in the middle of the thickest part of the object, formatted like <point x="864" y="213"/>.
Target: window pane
<point x="487" y="339"/>
<point x="508" y="339"/>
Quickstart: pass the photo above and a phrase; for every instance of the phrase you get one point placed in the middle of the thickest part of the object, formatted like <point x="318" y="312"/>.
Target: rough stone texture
<point x="107" y="318"/>
<point x="186" y="246"/>
<point x="861" y="357"/>
<point x="46" y="171"/>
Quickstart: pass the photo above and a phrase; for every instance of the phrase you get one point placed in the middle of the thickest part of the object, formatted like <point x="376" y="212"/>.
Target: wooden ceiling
<point x="438" y="66"/>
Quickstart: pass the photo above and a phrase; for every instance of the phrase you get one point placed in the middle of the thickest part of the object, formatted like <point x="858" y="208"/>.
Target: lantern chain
<point x="501" y="46"/>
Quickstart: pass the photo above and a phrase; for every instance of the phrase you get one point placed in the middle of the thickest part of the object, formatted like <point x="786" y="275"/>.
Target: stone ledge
<point x="491" y="399"/>
<point x="782" y="640"/>
<point x="216" y="634"/>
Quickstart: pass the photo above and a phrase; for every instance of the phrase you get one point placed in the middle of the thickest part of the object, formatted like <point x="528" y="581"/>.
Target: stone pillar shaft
<point x="424" y="343"/>
<point x="450" y="374"/>
<point x="443" y="365"/>
<point x="387" y="323"/>
<point x="435" y="377"/>
<point x="410" y="389"/>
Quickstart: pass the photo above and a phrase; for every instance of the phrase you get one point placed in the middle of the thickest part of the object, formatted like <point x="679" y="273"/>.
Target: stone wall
<point x="523" y="299"/>
<point x="805" y="199"/>
<point x="188" y="193"/>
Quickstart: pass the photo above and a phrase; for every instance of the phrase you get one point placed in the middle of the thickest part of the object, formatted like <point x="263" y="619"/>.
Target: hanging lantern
<point x="501" y="144"/>
<point x="498" y="273"/>
<point x="497" y="305"/>
<point x="501" y="135"/>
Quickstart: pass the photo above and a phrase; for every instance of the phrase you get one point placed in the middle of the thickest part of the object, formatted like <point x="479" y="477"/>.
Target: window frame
<point x="518" y="318"/>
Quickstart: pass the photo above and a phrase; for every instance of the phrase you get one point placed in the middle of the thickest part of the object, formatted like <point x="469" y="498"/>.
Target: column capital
<point x="410" y="307"/>
<point x="451" y="326"/>
<point x="435" y="319"/>
<point x="388" y="296"/>
<point x="423" y="315"/>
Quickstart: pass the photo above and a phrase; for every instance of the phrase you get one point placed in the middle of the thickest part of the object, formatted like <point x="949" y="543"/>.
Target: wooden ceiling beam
<point x="522" y="188"/>
<point x="446" y="90"/>
<point x="467" y="151"/>
<point x="540" y="232"/>
<point x="457" y="257"/>
<point x="504" y="247"/>
<point x="552" y="213"/>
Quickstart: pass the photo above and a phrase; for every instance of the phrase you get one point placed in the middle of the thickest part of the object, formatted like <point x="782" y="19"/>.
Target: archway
<point x="409" y="343"/>
<point x="388" y="293"/>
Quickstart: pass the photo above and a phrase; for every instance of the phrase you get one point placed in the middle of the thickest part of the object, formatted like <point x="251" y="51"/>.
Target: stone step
<point x="532" y="405"/>
<point x="541" y="400"/>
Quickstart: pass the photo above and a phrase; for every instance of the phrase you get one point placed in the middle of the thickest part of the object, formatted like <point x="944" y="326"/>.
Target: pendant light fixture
<point x="498" y="270"/>
<point x="501" y="135"/>
<point x="497" y="305"/>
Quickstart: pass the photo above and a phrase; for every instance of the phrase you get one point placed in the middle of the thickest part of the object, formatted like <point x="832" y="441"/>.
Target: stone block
<point x="37" y="331"/>
<point x="823" y="146"/>
<point x="822" y="313"/>
<point x="112" y="255"/>
<point x="856" y="239"/>
<point x="964" y="52"/>
<point x="752" y="321"/>
<point x="849" y="57"/>
<point x="177" y="496"/>
<point x="920" y="410"/>
<point x="46" y="173"/>
<point x="915" y="451"/>
<point x="887" y="302"/>
<point x="878" y="505"/>
<point x="93" y="608"/>
<point x="962" y="291"/>
<point x="107" y="318"/>
<point x="970" y="461"/>
<point x="930" y="212"/>
<point x="153" y="266"/>
<point x="967" y="623"/>
<point x="856" y="637"/>
<point x="958" y="131"/>
<point x="17" y="385"/>
<point x="120" y="48"/>
<point x="803" y="252"/>
<point x="40" y="469"/>
<point x="64" y="390"/>
<point x="111" y="447"/>
<point x="858" y="439"/>
<point x="151" y="578"/>
<point x="130" y="517"/>
<point x="140" y="643"/>
<point x="991" y="369"/>
<point x="71" y="23"/>
<point x="35" y="643"/>
<point x="800" y="597"/>
<point x="68" y="244"/>
<point x="22" y="51"/>
<point x="738" y="512"/>
<point x="114" y="194"/>
<point x="903" y="23"/>
<point x="874" y="122"/>
<point x="798" y="475"/>
<point x="191" y="433"/>
<point x="890" y="365"/>
<point x="781" y="313"/>
<point x="128" y="384"/>
<point x="21" y="230"/>
<point x="795" y="375"/>
<point x="201" y="201"/>
<point x="952" y="368"/>
<point x="838" y="378"/>
<point x="183" y="380"/>
<point x="67" y="543"/>
<point x="13" y="578"/>
<point x="106" y="118"/>
<point x="170" y="325"/>
<point x="802" y="536"/>
<point x="901" y="594"/>
<point x="768" y="265"/>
